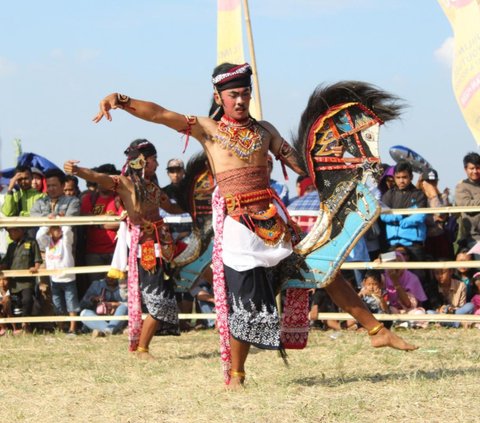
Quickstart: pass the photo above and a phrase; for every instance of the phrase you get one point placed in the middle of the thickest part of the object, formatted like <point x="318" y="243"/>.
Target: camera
<point x="390" y="256"/>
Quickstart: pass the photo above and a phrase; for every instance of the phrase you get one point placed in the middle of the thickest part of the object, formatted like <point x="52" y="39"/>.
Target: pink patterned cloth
<point x="219" y="286"/>
<point x="295" y="323"/>
<point x="134" y="295"/>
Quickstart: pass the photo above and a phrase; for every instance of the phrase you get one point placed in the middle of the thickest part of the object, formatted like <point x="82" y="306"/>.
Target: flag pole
<point x="256" y="86"/>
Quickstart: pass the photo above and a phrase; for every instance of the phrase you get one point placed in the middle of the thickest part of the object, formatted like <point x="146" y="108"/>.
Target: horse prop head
<point x="346" y="114"/>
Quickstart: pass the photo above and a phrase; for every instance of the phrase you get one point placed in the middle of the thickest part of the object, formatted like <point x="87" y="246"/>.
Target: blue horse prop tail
<point x="346" y="114"/>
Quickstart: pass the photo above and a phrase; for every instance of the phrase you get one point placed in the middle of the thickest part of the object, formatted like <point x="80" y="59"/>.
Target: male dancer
<point x="150" y="240"/>
<point x="255" y="231"/>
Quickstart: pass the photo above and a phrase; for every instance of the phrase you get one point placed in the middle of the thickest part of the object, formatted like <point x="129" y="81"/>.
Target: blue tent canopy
<point x="28" y="159"/>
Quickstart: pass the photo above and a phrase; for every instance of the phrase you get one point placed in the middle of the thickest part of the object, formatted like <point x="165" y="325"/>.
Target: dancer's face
<point x="235" y="102"/>
<point x="151" y="165"/>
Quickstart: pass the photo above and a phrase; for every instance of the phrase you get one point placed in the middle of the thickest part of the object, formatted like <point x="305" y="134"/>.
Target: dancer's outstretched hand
<point x="108" y="103"/>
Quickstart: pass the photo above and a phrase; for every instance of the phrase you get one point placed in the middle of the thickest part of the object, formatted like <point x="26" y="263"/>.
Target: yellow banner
<point x="464" y="17"/>
<point x="230" y="37"/>
<point x="230" y="32"/>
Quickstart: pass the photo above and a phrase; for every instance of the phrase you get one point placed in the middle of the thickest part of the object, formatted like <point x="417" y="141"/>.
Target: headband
<point x="238" y="76"/>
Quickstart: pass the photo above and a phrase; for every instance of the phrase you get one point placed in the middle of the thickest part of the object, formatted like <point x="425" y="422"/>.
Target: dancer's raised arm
<point x="152" y="112"/>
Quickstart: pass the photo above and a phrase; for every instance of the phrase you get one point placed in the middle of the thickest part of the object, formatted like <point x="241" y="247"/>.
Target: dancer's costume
<point x="148" y="260"/>
<point x="253" y="233"/>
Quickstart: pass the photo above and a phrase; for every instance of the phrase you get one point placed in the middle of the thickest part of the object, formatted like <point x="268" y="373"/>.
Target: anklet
<point x="376" y="329"/>
<point x="142" y="350"/>
<point x="234" y="373"/>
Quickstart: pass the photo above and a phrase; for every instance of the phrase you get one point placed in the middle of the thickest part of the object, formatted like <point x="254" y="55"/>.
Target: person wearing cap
<point x="20" y="195"/>
<point x="176" y="173"/>
<point x="437" y="243"/>
<point x="151" y="246"/>
<point x="467" y="193"/>
<point x="248" y="215"/>
<point x="38" y="180"/>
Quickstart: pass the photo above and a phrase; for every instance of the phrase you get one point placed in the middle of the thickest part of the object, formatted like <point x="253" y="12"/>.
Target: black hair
<point x="403" y="166"/>
<point x="374" y="274"/>
<point x="23" y="168"/>
<point x="55" y="173"/>
<point x="473" y="158"/>
<point x="107" y="168"/>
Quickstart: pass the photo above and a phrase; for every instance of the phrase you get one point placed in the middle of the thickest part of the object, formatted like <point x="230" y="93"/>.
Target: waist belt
<point x="236" y="201"/>
<point x="149" y="227"/>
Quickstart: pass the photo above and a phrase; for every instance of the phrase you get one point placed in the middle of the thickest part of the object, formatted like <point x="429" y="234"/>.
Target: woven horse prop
<point x="349" y="114"/>
<point x="196" y="198"/>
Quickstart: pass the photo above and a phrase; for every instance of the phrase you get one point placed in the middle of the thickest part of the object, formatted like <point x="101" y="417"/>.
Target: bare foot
<point x="143" y="355"/>
<point x="236" y="383"/>
<point x="386" y="338"/>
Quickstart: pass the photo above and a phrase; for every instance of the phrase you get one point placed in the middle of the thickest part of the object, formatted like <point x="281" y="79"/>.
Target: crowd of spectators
<point x="408" y="238"/>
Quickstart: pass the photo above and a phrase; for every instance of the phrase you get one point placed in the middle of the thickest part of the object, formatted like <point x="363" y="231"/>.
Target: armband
<point x="284" y="151"/>
<point x="116" y="182"/>
<point x="191" y="121"/>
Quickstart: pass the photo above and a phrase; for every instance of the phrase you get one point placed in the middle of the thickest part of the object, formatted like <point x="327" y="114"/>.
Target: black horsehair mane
<point x="385" y="105"/>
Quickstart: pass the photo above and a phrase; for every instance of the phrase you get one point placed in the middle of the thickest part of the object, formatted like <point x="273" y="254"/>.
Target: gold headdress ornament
<point x="137" y="163"/>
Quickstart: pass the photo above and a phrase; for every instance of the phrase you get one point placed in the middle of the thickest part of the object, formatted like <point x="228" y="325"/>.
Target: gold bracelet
<point x="376" y="329"/>
<point x="234" y="373"/>
<point x="142" y="350"/>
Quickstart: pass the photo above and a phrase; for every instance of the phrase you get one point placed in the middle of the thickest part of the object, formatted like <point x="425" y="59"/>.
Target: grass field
<point x="337" y="378"/>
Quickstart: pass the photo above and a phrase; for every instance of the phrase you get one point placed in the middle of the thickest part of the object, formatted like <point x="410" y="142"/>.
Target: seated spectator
<point x="5" y="305"/>
<point x="476" y="296"/>
<point x="23" y="253"/>
<point x="372" y="292"/>
<point x="108" y="290"/>
<point x="452" y="298"/>
<point x="465" y="274"/>
<point x="203" y="294"/>
<point x="405" y="293"/>
<point x="58" y="244"/>
<point x="322" y="303"/>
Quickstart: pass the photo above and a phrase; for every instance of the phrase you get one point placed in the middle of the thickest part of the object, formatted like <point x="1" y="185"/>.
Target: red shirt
<point x="100" y="240"/>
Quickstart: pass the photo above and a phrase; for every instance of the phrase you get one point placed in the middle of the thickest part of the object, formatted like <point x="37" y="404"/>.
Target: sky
<point x="58" y="59"/>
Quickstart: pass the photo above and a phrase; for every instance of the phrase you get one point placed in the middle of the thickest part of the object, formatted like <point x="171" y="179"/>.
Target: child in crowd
<point x="464" y="274"/>
<point x="452" y="297"/>
<point x="23" y="253"/>
<point x="476" y="296"/>
<point x="371" y="292"/>
<point x="405" y="293"/>
<point x="57" y="242"/>
<point x="5" y="304"/>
